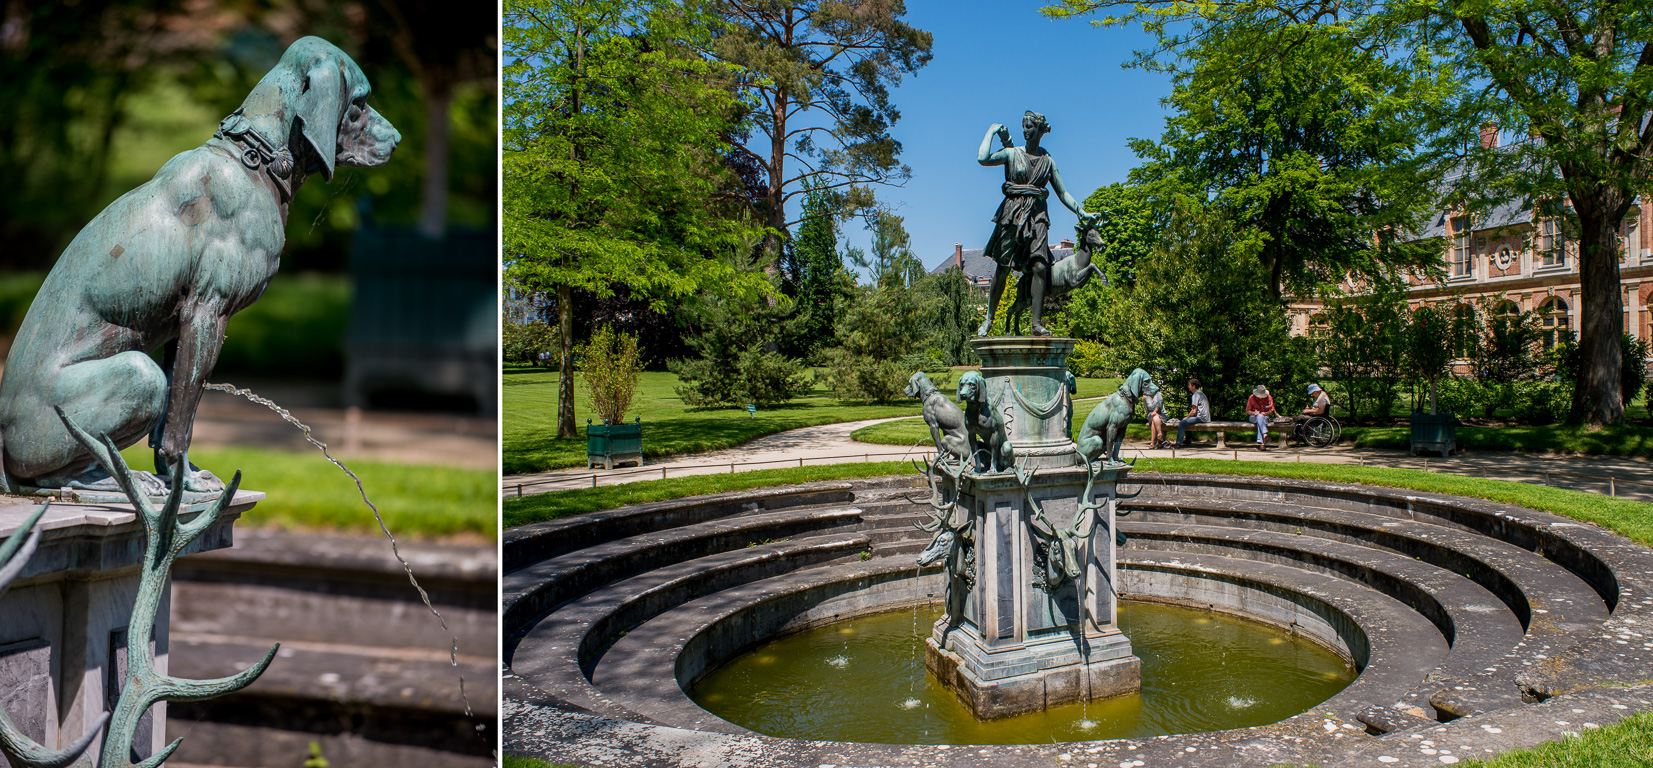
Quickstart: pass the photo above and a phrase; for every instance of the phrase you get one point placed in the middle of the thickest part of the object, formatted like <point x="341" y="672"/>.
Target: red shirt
<point x="1255" y="404"/>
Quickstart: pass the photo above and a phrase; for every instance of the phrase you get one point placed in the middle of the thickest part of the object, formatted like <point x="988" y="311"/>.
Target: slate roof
<point x="979" y="267"/>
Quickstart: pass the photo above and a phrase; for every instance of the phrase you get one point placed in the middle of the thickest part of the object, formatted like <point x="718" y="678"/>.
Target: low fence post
<point x="1612" y="486"/>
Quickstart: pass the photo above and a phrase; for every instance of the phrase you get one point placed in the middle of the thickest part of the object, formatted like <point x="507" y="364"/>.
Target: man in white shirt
<point x="1199" y="411"/>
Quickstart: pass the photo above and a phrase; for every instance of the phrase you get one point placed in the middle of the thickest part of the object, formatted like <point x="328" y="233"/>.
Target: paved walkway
<point x="831" y="444"/>
<point x="412" y="438"/>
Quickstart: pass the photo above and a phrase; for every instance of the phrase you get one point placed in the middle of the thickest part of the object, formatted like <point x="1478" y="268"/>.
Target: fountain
<point x="1032" y="619"/>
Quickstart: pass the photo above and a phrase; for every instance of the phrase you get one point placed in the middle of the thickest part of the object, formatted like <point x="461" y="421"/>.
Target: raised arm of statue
<point x="986" y="155"/>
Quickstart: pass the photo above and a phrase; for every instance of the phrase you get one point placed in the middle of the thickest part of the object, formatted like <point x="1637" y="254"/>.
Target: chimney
<point x="1489" y="136"/>
<point x="1066" y="243"/>
<point x="958" y="256"/>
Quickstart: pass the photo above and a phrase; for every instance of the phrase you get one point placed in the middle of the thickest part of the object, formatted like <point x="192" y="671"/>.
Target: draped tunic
<point x="1022" y="222"/>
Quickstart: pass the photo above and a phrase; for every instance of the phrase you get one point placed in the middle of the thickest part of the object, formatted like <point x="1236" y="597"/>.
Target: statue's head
<point x="972" y="387"/>
<point x="1034" y="125"/>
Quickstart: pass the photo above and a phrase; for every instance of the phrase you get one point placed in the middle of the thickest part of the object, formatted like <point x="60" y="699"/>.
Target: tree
<point x="1364" y="348"/>
<point x="1427" y="357"/>
<point x="891" y="263"/>
<point x="950" y="312"/>
<point x="1129" y="229"/>
<point x="1577" y="78"/>
<point x="733" y="362"/>
<point x="816" y="278"/>
<point x="879" y="329"/>
<point x="821" y="72"/>
<point x="1164" y="324"/>
<point x="613" y="158"/>
<point x="1310" y="151"/>
<point x="611" y="366"/>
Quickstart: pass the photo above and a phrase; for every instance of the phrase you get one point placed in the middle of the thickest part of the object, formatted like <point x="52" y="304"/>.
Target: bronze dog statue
<point x="946" y="421"/>
<point x="1104" y="428"/>
<point x="989" y="443"/>
<point x="167" y="264"/>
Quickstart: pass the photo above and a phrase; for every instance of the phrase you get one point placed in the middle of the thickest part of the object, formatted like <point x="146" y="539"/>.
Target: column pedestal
<point x="63" y="622"/>
<point x="1023" y="633"/>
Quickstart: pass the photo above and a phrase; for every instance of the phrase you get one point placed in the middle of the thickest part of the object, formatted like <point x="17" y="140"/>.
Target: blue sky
<point x="992" y="62"/>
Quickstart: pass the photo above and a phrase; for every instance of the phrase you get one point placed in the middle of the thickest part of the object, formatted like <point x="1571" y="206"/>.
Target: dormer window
<point x="1463" y="262"/>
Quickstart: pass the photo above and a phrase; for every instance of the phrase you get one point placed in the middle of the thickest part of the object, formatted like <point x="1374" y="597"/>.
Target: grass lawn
<point x="669" y="426"/>
<point x="305" y="492"/>
<point x="911" y="431"/>
<point x="1631" y="519"/>
<point x="558" y="504"/>
<point x="1617" y="440"/>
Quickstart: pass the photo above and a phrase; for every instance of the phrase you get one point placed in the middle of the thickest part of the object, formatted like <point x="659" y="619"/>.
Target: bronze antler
<point x="166" y="537"/>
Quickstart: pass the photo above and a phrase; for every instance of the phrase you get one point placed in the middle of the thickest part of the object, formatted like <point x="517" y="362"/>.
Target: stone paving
<point x="831" y="444"/>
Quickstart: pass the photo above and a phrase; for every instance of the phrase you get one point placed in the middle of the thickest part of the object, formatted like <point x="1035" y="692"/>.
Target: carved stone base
<point x="1034" y="676"/>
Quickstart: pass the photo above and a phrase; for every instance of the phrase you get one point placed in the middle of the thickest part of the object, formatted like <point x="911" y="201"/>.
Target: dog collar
<point x="258" y="152"/>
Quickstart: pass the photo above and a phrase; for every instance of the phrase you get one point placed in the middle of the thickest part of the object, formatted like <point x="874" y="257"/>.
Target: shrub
<point x="737" y="363"/>
<point x="1464" y="396"/>
<point x="1089" y="359"/>
<point x="1542" y="402"/>
<point x="610" y="366"/>
<point x="523" y="342"/>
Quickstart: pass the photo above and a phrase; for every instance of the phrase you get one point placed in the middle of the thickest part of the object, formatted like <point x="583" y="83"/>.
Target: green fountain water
<point x="864" y="680"/>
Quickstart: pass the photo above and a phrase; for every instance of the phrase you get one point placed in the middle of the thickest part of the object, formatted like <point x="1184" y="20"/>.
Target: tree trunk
<point x="433" y="207"/>
<point x="1601" y="312"/>
<point x="565" y="371"/>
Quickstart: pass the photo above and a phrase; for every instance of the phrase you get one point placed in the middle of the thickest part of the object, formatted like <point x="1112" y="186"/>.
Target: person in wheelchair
<point x="1319" y="406"/>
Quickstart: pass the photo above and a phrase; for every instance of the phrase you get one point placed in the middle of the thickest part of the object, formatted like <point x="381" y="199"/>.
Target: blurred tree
<point x="444" y="50"/>
<point x="821" y="73"/>
<point x="1363" y="348"/>
<point x="612" y="155"/>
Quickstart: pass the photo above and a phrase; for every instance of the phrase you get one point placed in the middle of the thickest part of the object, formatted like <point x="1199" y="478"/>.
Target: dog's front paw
<point x="202" y="481"/>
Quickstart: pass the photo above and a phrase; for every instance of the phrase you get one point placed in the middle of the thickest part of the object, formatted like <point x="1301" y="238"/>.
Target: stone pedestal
<point x="63" y="622"/>
<point x="1027" y="381"/>
<point x="1020" y="637"/>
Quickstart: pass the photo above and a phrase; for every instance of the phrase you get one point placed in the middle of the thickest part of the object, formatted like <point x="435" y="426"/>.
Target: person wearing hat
<point x="1320" y="406"/>
<point x="1259" y="409"/>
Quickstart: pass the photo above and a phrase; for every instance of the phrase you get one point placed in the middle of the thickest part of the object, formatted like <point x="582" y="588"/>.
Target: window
<point x="1552" y="317"/>
<point x="1463" y="264"/>
<point x="1318" y="326"/>
<point x="1552" y="244"/>
<point x="1506" y="307"/>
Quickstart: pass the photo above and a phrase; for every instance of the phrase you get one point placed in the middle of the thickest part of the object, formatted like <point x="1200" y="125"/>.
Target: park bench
<point x="1279" y="430"/>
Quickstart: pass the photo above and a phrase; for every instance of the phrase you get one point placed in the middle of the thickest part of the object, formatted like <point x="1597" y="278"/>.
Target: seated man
<point x="1321" y="405"/>
<point x="1199" y="411"/>
<point x="1259" y="409"/>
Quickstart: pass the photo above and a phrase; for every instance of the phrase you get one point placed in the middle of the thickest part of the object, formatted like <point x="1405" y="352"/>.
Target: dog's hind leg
<point x="120" y="396"/>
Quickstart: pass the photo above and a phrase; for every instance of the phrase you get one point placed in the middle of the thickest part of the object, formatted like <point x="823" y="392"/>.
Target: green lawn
<point x="669" y="426"/>
<point x="1631" y="519"/>
<point x="913" y="430"/>
<point x="1618" y="440"/>
<point x="1624" y="744"/>
<point x="557" y="504"/>
<point x="305" y="492"/>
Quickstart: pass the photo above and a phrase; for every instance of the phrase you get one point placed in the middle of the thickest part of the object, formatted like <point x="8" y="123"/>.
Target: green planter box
<point x="1434" y="432"/>
<point x="613" y="444"/>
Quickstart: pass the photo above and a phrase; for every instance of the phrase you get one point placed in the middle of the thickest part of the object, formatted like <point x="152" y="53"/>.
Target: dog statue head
<point x="1139" y="383"/>
<point x="919" y="386"/>
<point x="317" y="95"/>
<point x="972" y="388"/>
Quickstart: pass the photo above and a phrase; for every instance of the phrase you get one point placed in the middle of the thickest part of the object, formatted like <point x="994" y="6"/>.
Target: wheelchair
<point x="1319" y="431"/>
